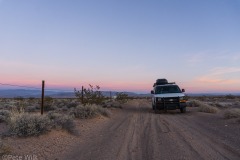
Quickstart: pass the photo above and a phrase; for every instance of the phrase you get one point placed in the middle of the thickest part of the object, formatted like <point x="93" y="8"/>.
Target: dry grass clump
<point x="4" y="149"/>
<point x="89" y="111"/>
<point x="232" y="113"/>
<point x="24" y="124"/>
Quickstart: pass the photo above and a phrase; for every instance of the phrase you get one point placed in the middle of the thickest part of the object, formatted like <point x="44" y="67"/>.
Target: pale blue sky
<point x="121" y="45"/>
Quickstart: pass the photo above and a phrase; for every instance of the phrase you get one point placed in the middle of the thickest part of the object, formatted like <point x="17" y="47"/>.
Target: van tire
<point x="183" y="110"/>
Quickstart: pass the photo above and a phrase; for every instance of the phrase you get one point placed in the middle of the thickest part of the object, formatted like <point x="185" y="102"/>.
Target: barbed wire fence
<point x="42" y="91"/>
<point x="109" y="94"/>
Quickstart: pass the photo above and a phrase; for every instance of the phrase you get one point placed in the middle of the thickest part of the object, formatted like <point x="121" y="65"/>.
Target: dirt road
<point x="135" y="132"/>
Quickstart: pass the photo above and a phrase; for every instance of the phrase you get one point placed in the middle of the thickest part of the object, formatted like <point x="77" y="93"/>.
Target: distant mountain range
<point x="25" y="93"/>
<point x="11" y="93"/>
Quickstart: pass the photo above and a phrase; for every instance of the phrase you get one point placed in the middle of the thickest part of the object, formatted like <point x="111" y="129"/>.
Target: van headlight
<point x="182" y="99"/>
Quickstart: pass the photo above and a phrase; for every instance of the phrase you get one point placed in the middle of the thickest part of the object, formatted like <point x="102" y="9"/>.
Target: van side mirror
<point x="152" y="92"/>
<point x="183" y="90"/>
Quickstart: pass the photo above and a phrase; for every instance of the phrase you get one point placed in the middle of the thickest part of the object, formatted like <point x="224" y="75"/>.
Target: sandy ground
<point x="135" y="132"/>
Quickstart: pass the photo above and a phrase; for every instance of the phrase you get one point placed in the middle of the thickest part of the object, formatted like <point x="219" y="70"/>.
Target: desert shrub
<point x="24" y="124"/>
<point x="61" y="121"/>
<point x="4" y="115"/>
<point x="4" y="149"/>
<point x="203" y="107"/>
<point x="202" y="98"/>
<point x="112" y="104"/>
<point x="229" y="96"/>
<point x="64" y="108"/>
<point x="89" y="111"/>
<point x="207" y="108"/>
<point x="48" y="103"/>
<point x="122" y="97"/>
<point x="91" y="95"/>
<point x="31" y="98"/>
<point x="236" y="103"/>
<point x="219" y="105"/>
<point x="19" y="98"/>
<point x="232" y="113"/>
<point x="11" y="107"/>
<point x="61" y="104"/>
<point x="103" y="111"/>
<point x="31" y="108"/>
<point x="194" y="103"/>
<point x="72" y="105"/>
<point x="2" y="118"/>
<point x="84" y="112"/>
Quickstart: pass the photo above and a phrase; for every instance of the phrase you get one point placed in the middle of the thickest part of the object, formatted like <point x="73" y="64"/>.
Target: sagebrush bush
<point x="61" y="121"/>
<point x="89" y="111"/>
<point x="194" y="103"/>
<point x="219" y="105"/>
<point x="4" y="115"/>
<point x="24" y="124"/>
<point x="72" y="104"/>
<point x="84" y="112"/>
<point x="91" y="95"/>
<point x="203" y="107"/>
<point x="103" y="111"/>
<point x="232" y="113"/>
<point x="207" y="108"/>
<point x="230" y="96"/>
<point x="112" y="104"/>
<point x="122" y="97"/>
<point x="31" y="108"/>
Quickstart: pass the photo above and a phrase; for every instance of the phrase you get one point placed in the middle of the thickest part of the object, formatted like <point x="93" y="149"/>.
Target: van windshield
<point x="167" y="89"/>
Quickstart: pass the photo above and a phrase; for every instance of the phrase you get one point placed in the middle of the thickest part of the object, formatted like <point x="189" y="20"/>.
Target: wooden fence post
<point x="43" y="85"/>
<point x="82" y="94"/>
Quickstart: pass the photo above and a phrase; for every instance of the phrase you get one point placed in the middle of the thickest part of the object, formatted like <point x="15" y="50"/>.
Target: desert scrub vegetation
<point x="4" y="115"/>
<point x="232" y="113"/>
<point x="122" y="97"/>
<point x="25" y="124"/>
<point x="91" y="95"/>
<point x="89" y="111"/>
<point x="62" y="121"/>
<point x="207" y="108"/>
<point x="194" y="103"/>
<point x="203" y="107"/>
<point x="112" y="104"/>
<point x="4" y="149"/>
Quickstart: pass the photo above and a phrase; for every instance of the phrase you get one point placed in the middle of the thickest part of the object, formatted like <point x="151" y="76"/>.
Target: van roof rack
<point x="163" y="83"/>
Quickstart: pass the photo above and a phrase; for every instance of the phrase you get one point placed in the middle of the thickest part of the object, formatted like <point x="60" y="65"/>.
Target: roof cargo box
<point x="160" y="82"/>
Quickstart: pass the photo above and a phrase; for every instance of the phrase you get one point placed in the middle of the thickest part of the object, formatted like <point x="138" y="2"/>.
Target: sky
<point x="121" y="45"/>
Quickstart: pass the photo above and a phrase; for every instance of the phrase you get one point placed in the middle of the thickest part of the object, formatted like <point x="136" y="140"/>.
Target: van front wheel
<point x="183" y="110"/>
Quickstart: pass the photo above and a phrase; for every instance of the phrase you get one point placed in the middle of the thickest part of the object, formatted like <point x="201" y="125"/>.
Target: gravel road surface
<point x="137" y="133"/>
